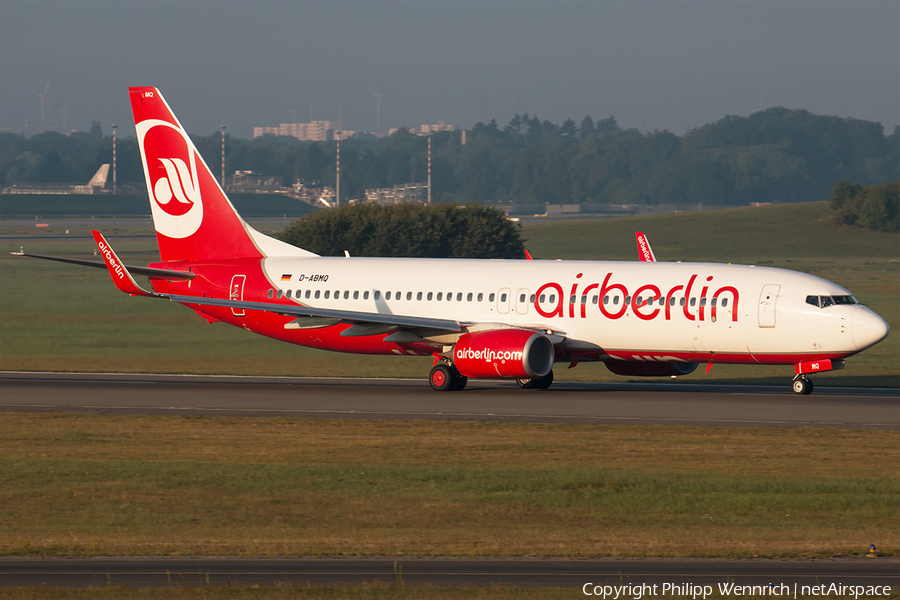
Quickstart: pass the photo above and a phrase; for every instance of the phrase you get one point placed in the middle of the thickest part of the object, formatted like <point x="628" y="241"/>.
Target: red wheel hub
<point x="438" y="378"/>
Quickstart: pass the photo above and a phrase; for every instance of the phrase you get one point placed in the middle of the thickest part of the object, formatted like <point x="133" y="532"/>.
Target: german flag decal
<point x="286" y="277"/>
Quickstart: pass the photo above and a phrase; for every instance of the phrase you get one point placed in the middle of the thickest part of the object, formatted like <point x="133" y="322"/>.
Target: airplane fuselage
<point x="640" y="311"/>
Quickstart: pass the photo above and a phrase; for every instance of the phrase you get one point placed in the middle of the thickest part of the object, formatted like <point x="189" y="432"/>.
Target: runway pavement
<point x="619" y="403"/>
<point x="163" y="572"/>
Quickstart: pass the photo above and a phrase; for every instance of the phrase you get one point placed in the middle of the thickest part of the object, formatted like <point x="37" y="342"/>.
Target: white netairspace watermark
<point x="688" y="590"/>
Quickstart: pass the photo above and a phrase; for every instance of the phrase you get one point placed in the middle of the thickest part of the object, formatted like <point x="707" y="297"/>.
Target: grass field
<point x="56" y="317"/>
<point x="134" y="485"/>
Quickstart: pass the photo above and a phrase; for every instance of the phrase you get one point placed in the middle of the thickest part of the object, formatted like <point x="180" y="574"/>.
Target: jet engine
<point x="637" y="368"/>
<point x="504" y="353"/>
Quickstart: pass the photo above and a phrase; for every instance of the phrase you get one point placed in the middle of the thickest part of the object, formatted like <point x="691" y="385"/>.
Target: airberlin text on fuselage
<point x="706" y="306"/>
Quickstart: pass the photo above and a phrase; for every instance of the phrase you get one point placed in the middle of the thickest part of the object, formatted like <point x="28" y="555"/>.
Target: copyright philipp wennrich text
<point x="685" y="590"/>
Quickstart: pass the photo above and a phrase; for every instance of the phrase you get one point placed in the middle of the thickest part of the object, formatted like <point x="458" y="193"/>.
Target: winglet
<point x="528" y="255"/>
<point x="120" y="275"/>
<point x="645" y="252"/>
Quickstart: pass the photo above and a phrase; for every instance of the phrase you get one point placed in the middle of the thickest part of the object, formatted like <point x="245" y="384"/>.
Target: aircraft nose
<point x="868" y="328"/>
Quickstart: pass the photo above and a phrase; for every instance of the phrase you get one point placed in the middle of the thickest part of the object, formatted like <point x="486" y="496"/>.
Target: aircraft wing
<point x="146" y="271"/>
<point x="344" y="316"/>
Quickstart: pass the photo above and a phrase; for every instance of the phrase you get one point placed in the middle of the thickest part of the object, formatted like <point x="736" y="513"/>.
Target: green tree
<point x="409" y="230"/>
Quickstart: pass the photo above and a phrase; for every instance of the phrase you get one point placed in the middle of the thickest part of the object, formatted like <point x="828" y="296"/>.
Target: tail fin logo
<point x="170" y="167"/>
<point x="177" y="182"/>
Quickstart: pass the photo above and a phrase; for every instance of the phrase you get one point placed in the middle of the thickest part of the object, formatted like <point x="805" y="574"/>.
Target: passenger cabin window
<point x="531" y="299"/>
<point x="552" y="298"/>
<point x="279" y="293"/>
<point x="480" y="296"/>
<point x="377" y="295"/>
<point x="365" y="294"/>
<point x="409" y="295"/>
<point x="398" y="295"/>
<point x="317" y="294"/>
<point x="271" y="293"/>
<point x="287" y="294"/>
<point x="307" y="294"/>
<point x="595" y="299"/>
<point x="387" y="296"/>
<point x="429" y="296"/>
<point x="356" y="294"/>
<point x="491" y="297"/>
<point x="418" y="295"/>
<point x="469" y="297"/>
<point x="724" y="302"/>
<point x="627" y="300"/>
<point x="615" y="299"/>
<point x="440" y="296"/>
<point x="522" y="298"/>
<point x="327" y="294"/>
<point x="502" y="297"/>
<point x="693" y="302"/>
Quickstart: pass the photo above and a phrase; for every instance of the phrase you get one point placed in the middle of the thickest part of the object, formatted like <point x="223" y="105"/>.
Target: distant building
<point x="314" y="131"/>
<point x="417" y="193"/>
<point x="426" y="129"/>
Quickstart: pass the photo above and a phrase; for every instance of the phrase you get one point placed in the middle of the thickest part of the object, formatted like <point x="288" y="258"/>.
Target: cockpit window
<point x="826" y="301"/>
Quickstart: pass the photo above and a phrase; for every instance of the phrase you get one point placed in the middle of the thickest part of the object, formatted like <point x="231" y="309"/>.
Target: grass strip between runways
<point x="157" y="485"/>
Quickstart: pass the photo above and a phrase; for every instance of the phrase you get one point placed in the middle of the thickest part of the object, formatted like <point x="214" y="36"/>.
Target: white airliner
<point x="482" y="319"/>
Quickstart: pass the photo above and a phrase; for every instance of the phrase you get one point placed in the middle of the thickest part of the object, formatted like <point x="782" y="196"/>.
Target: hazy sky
<point x="653" y="65"/>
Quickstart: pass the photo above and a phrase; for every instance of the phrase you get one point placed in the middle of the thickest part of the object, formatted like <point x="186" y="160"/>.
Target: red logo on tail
<point x="172" y="175"/>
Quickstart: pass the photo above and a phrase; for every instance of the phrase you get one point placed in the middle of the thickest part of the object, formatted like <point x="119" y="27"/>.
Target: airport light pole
<point x="429" y="168"/>
<point x="223" y="158"/>
<point x="113" y="126"/>
<point x="337" y="187"/>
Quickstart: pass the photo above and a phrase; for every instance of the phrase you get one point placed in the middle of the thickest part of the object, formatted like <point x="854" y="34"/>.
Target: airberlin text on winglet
<point x="114" y="265"/>
<point x="643" y="310"/>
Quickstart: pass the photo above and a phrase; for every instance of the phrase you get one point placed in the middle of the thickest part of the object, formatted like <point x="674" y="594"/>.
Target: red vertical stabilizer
<point x="193" y="217"/>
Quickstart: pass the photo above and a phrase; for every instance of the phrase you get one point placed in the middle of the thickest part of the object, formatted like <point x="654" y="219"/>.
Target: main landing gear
<point x="802" y="385"/>
<point x="539" y="383"/>
<point x="445" y="378"/>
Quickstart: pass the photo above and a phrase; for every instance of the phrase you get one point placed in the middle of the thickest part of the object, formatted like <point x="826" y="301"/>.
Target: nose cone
<point x="868" y="328"/>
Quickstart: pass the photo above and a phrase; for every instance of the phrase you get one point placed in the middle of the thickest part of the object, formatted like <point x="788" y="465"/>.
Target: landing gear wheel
<point x="539" y="383"/>
<point x="445" y="378"/>
<point x="802" y="386"/>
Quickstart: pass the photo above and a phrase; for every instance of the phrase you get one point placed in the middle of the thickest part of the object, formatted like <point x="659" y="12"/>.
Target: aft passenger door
<point x="768" y="298"/>
<point x="237" y="293"/>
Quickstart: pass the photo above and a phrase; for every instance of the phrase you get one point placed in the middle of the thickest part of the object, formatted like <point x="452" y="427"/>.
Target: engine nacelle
<point x="503" y="354"/>
<point x="638" y="368"/>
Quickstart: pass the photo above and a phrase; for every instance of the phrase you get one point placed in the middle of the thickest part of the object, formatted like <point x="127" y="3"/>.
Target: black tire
<point x="461" y="381"/>
<point x="442" y="378"/>
<point x="539" y="383"/>
<point x="809" y="388"/>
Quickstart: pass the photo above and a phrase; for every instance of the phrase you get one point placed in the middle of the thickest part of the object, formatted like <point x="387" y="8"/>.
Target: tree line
<point x="409" y="230"/>
<point x="775" y="155"/>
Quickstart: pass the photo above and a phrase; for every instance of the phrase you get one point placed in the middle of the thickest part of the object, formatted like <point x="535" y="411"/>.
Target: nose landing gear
<point x="802" y="385"/>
